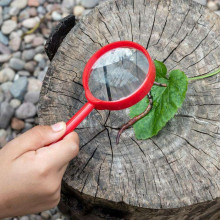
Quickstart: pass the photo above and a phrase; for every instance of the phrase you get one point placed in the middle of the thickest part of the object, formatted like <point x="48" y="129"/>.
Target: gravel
<point x="26" y="110"/>
<point x="8" y="26"/>
<point x="19" y="87"/>
<point x="6" y="113"/>
<point x="6" y="74"/>
<point x="16" y="64"/>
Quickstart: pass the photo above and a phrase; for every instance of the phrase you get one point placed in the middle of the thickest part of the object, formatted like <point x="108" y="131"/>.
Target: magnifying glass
<point x="116" y="77"/>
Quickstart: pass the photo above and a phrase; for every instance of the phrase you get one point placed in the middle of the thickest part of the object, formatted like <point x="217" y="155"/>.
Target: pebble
<point x="30" y="66"/>
<point x="26" y="110"/>
<point x="38" y="57"/>
<point x="78" y="10"/>
<point x="89" y="3"/>
<point x="28" y="54"/>
<point x="19" y="4"/>
<point x="1" y="96"/>
<point x="41" y="10"/>
<point x="19" y="87"/>
<point x="24" y="218"/>
<point x="34" y="3"/>
<point x="16" y="64"/>
<point x="56" y="16"/>
<point x="30" y="22"/>
<point x="17" y="124"/>
<point x="213" y="5"/>
<point x="4" y="49"/>
<point x="34" y="85"/>
<point x="8" y="26"/>
<point x="6" y="113"/>
<point x="3" y="136"/>
<point x="32" y="12"/>
<point x="46" y="214"/>
<point x="3" y="39"/>
<point x="15" y="43"/>
<point x="14" y="11"/>
<point x="29" y="38"/>
<point x="5" y="2"/>
<point x="6" y="86"/>
<point x="39" y="49"/>
<point x="4" y="58"/>
<point x="15" y="103"/>
<point x="23" y="73"/>
<point x="32" y="96"/>
<point x="17" y="54"/>
<point x="37" y="41"/>
<point x="6" y="74"/>
<point x="41" y="75"/>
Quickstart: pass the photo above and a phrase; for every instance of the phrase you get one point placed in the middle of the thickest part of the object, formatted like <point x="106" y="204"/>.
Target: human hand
<point x="30" y="173"/>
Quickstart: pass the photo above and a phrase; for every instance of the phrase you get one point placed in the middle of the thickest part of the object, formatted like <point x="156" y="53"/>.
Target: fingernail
<point x="58" y="126"/>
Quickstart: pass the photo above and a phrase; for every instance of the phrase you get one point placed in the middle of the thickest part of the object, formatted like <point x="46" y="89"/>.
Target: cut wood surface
<point x="181" y="165"/>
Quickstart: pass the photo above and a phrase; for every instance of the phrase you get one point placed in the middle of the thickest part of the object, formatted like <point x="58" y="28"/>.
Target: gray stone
<point x="26" y="110"/>
<point x="8" y="26"/>
<point x="32" y="96"/>
<point x="30" y="22"/>
<point x="6" y="113"/>
<point x="90" y="3"/>
<point x="15" y="103"/>
<point x="41" y="75"/>
<point x="24" y="218"/>
<point x="3" y="39"/>
<point x="56" y="16"/>
<point x="4" y="49"/>
<point x="6" y="74"/>
<point x="15" y="42"/>
<point x="28" y="54"/>
<point x="14" y="11"/>
<point x="3" y="137"/>
<point x="16" y="64"/>
<point x="19" y="88"/>
<point x="38" y="57"/>
<point x="46" y="214"/>
<point x="29" y="38"/>
<point x="6" y="86"/>
<point x="23" y="73"/>
<point x="1" y="95"/>
<point x="30" y="66"/>
<point x="41" y="10"/>
<point x="39" y="49"/>
<point x="38" y="41"/>
<point x="17" y="55"/>
<point x="5" y="2"/>
<point x="23" y="15"/>
<point x="27" y="127"/>
<point x="34" y="84"/>
<point x="19" y="4"/>
<point x="4" y="58"/>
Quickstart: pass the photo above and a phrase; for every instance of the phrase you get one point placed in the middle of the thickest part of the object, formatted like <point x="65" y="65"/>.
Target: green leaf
<point x="161" y="69"/>
<point x="166" y="101"/>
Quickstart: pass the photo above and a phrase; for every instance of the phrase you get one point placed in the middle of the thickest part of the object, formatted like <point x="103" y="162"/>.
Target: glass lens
<point x="118" y="73"/>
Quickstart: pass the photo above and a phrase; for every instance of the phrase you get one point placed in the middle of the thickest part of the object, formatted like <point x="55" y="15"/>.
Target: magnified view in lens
<point x="118" y="73"/>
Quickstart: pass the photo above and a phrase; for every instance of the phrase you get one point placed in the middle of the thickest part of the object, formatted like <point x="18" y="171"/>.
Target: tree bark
<point x="175" y="175"/>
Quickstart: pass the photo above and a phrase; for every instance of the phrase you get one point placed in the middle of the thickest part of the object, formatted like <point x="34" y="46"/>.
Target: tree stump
<point x="175" y="175"/>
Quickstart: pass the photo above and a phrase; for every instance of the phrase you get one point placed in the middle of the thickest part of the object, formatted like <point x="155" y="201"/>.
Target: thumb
<point x="36" y="138"/>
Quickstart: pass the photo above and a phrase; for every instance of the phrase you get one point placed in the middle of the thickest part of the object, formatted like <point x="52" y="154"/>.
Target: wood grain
<point x="179" y="167"/>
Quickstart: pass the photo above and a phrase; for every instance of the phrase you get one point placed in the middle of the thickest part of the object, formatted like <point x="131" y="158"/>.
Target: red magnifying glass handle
<point x="77" y="118"/>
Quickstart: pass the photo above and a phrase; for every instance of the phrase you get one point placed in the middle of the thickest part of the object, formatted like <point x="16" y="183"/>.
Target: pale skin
<point x="31" y="169"/>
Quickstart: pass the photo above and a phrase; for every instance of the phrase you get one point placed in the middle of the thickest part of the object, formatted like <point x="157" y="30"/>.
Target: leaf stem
<point x="204" y="76"/>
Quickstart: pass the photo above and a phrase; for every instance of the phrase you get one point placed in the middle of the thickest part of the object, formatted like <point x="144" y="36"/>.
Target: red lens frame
<point x="130" y="100"/>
